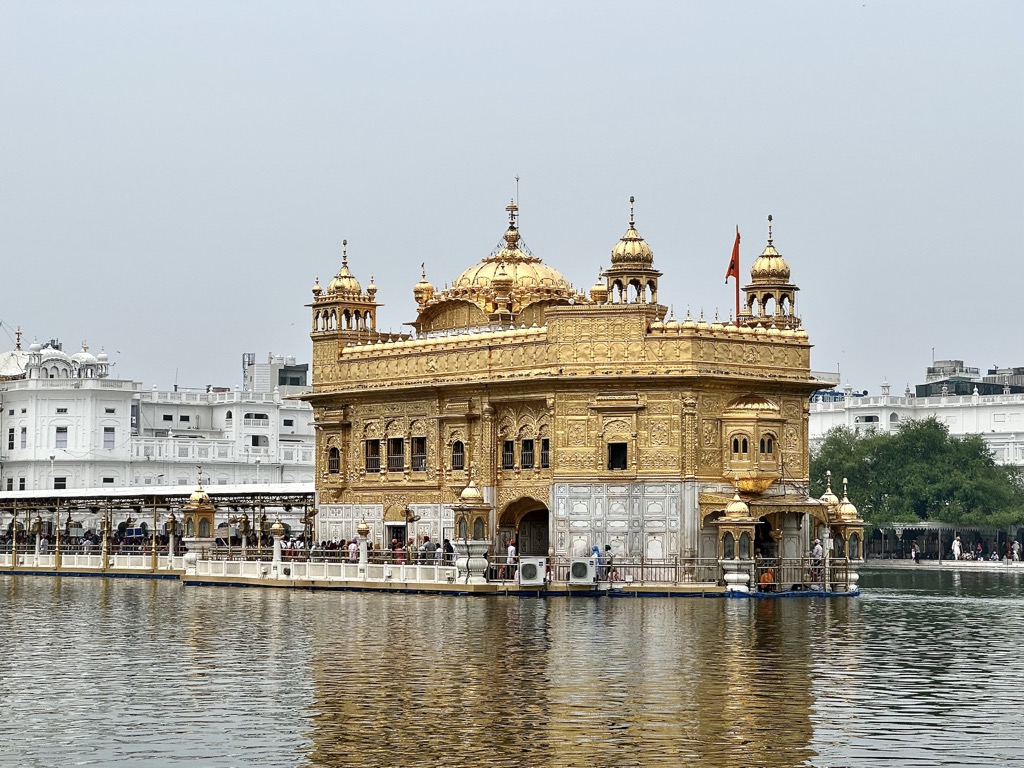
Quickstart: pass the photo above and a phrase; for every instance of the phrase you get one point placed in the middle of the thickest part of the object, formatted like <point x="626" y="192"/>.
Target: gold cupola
<point x="770" y="296"/>
<point x="632" y="279"/>
<point x="828" y="498"/>
<point x="343" y="313"/>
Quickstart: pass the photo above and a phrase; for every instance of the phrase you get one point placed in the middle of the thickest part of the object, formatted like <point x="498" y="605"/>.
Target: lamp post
<point x="14" y="538"/>
<point x="152" y="561"/>
<point x="172" y="528"/>
<point x="257" y="470"/>
<point x="363" y="529"/>
<point x="56" y="534"/>
<point x="105" y="543"/>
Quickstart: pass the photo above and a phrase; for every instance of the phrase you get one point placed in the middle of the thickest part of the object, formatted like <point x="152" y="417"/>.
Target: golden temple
<point x="521" y="408"/>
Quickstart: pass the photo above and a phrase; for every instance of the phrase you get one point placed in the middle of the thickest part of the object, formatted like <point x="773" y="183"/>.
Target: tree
<point x="920" y="472"/>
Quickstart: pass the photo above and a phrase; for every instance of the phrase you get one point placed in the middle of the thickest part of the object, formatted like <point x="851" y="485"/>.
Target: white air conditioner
<point x="583" y="571"/>
<point x="532" y="571"/>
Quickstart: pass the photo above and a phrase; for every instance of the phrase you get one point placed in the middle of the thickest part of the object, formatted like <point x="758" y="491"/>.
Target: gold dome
<point x="737" y="507"/>
<point x="632" y="248"/>
<point x="599" y="291"/>
<point x="846" y="510"/>
<point x="769" y="267"/>
<point x="471" y="494"/>
<point x="524" y="275"/>
<point x="828" y="498"/>
<point x="423" y="290"/>
<point x="344" y="282"/>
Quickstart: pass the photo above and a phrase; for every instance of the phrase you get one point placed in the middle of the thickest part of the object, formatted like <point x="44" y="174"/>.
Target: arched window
<point x="333" y="461"/>
<point x="745" y="546"/>
<point x="854" y="546"/>
<point x="478" y="529"/>
<point x="463" y="528"/>
<point x="204" y="529"/>
<point x="229" y="417"/>
<point x="767" y="445"/>
<point x="458" y="455"/>
<point x="744" y="448"/>
<point x="728" y="546"/>
<point x="735" y="445"/>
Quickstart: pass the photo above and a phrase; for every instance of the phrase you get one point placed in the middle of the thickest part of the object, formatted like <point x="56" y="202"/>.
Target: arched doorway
<point x="527" y="519"/>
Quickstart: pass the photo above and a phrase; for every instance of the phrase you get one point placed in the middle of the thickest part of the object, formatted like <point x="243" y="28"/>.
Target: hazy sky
<point x="174" y="175"/>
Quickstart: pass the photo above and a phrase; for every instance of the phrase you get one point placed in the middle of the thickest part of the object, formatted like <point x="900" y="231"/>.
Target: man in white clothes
<point x="957" y="548"/>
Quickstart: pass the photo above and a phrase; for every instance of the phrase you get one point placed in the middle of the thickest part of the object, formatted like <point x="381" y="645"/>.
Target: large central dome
<point x="510" y="285"/>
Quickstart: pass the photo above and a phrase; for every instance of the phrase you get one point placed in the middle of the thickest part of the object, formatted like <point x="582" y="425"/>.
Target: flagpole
<point x="737" y="276"/>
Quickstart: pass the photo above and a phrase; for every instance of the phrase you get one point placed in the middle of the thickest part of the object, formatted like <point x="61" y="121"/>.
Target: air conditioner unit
<point x="583" y="571"/>
<point x="532" y="571"/>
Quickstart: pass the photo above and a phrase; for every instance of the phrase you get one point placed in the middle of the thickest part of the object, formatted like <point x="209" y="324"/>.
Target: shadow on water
<point x="152" y="673"/>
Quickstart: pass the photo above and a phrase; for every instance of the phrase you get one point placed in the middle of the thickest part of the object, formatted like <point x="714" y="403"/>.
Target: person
<point x="915" y="552"/>
<point x="978" y="553"/>
<point x="427" y="550"/>
<point x="1016" y="551"/>
<point x="353" y="550"/>
<point x="608" y="558"/>
<point x="956" y="549"/>
<point x="510" y="560"/>
<point x="449" y="551"/>
<point x="816" y="555"/>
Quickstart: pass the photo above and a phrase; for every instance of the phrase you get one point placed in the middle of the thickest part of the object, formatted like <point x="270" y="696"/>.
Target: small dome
<point x="84" y="356"/>
<point x="599" y="291"/>
<point x="52" y="353"/>
<point x="828" y="498"/>
<point x="371" y="289"/>
<point x="846" y="510"/>
<point x="769" y="267"/>
<point x="35" y="346"/>
<point x="471" y="494"/>
<point x="102" y="357"/>
<point x="737" y="507"/>
<point x="344" y="282"/>
<point x="317" y="290"/>
<point x="423" y="291"/>
<point x="632" y="248"/>
<point x="199" y="496"/>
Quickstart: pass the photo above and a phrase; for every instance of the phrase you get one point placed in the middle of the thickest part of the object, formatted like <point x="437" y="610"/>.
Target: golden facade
<point x="573" y="419"/>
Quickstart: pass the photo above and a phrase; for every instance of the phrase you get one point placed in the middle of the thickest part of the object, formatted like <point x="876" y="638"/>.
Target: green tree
<point x="920" y="472"/>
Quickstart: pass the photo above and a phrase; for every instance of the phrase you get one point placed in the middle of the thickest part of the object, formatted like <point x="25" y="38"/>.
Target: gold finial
<point x="844" y="487"/>
<point x="423" y="270"/>
<point x="17" y="339"/>
<point x="769" y="229"/>
<point x="344" y="253"/>
<point x="512" y="209"/>
<point x="632" y="224"/>
<point x="200" y="468"/>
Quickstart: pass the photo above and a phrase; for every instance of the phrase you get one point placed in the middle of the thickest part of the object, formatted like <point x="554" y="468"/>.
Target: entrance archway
<point x="528" y="519"/>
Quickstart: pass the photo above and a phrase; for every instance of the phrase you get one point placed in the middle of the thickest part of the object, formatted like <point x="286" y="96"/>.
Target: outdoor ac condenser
<point x="583" y="571"/>
<point x="532" y="571"/>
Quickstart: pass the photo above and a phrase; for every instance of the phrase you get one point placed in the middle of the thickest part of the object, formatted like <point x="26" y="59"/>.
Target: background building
<point x="67" y="424"/>
<point x="956" y="395"/>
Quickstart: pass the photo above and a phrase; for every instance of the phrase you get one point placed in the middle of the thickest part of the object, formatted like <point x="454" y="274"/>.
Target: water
<point x="923" y="668"/>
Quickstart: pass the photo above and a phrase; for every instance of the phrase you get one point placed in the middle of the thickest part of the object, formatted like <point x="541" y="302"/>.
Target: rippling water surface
<point x="921" y="669"/>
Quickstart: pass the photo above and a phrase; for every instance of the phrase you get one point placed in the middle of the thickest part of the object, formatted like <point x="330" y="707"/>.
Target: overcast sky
<point x="174" y="175"/>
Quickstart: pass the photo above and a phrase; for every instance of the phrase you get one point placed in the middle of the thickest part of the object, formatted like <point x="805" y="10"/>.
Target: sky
<point x="173" y="176"/>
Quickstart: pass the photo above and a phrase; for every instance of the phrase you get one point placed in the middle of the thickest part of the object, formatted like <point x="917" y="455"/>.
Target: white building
<point x="66" y="424"/>
<point x="987" y="408"/>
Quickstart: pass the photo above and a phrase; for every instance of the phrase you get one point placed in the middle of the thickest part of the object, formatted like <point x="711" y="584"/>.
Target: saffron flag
<point x="734" y="262"/>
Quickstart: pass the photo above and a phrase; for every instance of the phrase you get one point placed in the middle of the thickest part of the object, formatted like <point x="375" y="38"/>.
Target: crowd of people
<point x="1009" y="550"/>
